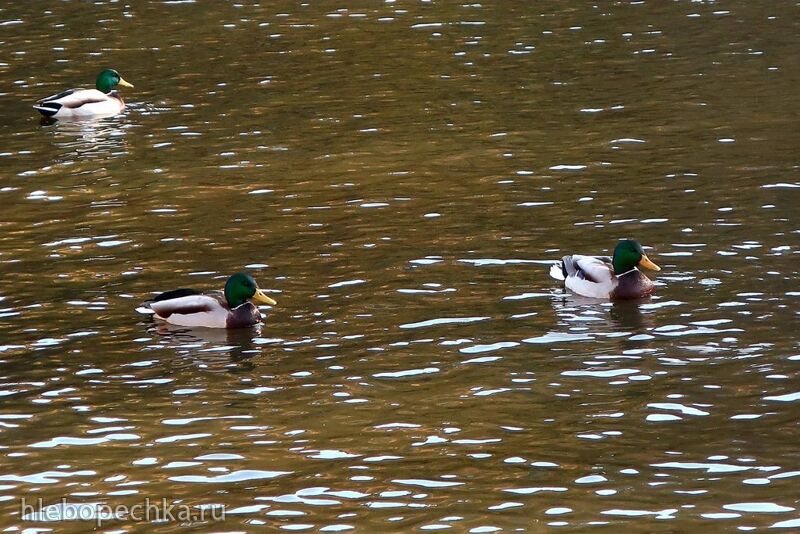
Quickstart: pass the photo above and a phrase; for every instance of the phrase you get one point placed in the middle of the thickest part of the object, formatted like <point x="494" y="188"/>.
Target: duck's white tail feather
<point x="557" y="271"/>
<point x="47" y="110"/>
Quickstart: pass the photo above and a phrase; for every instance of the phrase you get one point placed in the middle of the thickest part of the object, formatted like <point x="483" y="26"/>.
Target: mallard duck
<point x="86" y="103"/>
<point x="218" y="309"/>
<point x="602" y="277"/>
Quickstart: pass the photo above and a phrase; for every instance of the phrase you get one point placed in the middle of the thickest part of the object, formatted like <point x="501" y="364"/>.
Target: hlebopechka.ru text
<point x="149" y="510"/>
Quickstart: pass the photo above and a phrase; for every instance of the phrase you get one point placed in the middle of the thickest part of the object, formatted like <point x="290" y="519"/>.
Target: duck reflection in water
<point x="626" y="314"/>
<point x="92" y="138"/>
<point x="217" y="348"/>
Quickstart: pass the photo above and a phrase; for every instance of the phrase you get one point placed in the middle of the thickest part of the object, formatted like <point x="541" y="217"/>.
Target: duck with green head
<point x="614" y="278"/>
<point x="103" y="101"/>
<point x="232" y="308"/>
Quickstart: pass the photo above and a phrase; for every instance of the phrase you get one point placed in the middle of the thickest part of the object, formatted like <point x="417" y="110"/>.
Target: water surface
<point x="398" y="175"/>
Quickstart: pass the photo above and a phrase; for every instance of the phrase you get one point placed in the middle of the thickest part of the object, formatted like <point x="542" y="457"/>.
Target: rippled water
<point x="398" y="175"/>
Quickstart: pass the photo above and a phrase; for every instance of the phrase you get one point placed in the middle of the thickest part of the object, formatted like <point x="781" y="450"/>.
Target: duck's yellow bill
<point x="123" y="83"/>
<point x="262" y="298"/>
<point x="645" y="262"/>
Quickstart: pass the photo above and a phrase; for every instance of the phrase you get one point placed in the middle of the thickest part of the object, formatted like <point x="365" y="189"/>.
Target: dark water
<point x="398" y="176"/>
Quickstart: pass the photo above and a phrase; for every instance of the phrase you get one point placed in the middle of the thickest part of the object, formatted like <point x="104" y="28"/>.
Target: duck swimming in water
<point x="601" y="277"/>
<point x="104" y="101"/>
<point x="231" y="308"/>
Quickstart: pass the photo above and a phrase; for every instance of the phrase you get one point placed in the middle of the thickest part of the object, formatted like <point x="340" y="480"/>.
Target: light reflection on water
<point x="91" y="139"/>
<point x="403" y="174"/>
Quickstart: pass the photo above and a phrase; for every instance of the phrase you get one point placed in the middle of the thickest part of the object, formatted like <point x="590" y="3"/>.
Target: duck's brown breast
<point x="633" y="285"/>
<point x="243" y="316"/>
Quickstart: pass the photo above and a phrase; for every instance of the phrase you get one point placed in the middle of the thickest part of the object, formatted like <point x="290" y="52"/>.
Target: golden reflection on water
<point x="402" y="173"/>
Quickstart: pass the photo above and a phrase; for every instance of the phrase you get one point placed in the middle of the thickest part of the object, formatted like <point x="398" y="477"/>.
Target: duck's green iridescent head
<point x="108" y="80"/>
<point x="242" y="287"/>
<point x="628" y="254"/>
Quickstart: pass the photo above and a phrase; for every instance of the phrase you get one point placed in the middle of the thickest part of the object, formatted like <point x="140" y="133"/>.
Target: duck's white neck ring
<point x="627" y="272"/>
